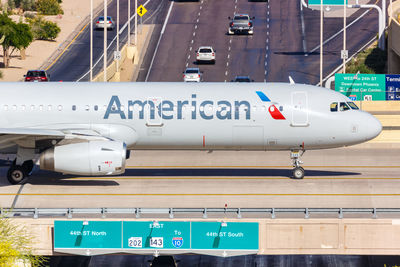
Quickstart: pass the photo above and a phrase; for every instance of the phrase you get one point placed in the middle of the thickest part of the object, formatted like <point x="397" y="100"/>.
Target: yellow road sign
<point x="141" y="10"/>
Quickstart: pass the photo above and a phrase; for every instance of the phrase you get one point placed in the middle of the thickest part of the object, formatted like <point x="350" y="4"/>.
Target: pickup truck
<point x="241" y="23"/>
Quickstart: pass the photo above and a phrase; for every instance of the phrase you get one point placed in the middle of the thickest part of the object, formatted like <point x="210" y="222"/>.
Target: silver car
<point x="192" y="75"/>
<point x="205" y="54"/>
<point x="100" y="23"/>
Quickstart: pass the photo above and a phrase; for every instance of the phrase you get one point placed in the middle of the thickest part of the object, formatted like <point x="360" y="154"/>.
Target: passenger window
<point x="334" y="107"/>
<point x="73" y="107"/>
<point x="281" y="108"/>
<point x="352" y="105"/>
<point x="344" y="106"/>
<point x="96" y="107"/>
<point x="87" y="107"/>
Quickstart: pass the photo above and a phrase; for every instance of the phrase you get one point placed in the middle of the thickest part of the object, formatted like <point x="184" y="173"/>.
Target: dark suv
<point x="36" y="76"/>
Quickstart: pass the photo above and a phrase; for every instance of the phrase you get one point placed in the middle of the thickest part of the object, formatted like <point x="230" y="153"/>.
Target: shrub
<point x="49" y="7"/>
<point x="28" y="5"/>
<point x="43" y="29"/>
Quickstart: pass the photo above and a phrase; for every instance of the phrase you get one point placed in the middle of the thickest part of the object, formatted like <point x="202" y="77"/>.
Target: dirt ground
<point x="39" y="51"/>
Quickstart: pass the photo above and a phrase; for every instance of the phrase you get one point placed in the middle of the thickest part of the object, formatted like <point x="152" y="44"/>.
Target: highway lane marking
<point x="159" y="40"/>
<point x="207" y="194"/>
<point x="339" y="32"/>
<point x="66" y="48"/>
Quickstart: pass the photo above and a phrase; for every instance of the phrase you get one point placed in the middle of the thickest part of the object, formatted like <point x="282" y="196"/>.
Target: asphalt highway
<point x="74" y="63"/>
<point x="285" y="41"/>
<point x="363" y="176"/>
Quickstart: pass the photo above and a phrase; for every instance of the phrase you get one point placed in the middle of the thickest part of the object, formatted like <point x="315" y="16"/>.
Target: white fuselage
<point x="189" y="116"/>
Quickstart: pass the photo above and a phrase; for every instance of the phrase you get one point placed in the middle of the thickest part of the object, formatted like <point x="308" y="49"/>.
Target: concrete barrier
<point x="283" y="236"/>
<point x="394" y="38"/>
<point x="113" y="74"/>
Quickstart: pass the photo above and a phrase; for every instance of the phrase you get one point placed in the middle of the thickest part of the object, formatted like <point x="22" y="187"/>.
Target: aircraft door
<point x="153" y="111"/>
<point x="299" y="109"/>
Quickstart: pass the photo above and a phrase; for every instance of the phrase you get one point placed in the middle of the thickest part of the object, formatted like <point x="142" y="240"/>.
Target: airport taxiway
<point x="363" y="176"/>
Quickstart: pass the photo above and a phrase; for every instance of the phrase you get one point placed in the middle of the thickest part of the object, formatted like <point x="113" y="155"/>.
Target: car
<point x="205" y="54"/>
<point x="241" y="23"/>
<point x="192" y="75"/>
<point x="100" y="23"/>
<point x="242" y="79"/>
<point x="37" y="76"/>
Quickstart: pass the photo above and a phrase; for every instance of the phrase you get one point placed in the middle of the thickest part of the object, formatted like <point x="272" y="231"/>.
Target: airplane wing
<point x="28" y="137"/>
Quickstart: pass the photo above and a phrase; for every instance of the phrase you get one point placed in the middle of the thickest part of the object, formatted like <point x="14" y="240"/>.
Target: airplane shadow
<point x="51" y="178"/>
<point x="234" y="172"/>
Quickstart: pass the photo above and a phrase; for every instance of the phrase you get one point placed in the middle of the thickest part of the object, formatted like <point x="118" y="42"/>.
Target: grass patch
<point x="371" y="61"/>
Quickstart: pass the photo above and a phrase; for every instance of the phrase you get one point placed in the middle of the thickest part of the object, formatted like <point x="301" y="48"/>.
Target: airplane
<point x="89" y="128"/>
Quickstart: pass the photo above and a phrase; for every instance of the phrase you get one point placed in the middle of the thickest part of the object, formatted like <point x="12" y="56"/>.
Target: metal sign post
<point x="105" y="21"/>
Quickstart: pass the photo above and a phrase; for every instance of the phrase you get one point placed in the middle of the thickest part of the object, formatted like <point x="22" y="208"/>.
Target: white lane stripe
<point x="303" y="30"/>
<point x="188" y="56"/>
<point x="195" y="27"/>
<point x="201" y="7"/>
<point x="229" y="55"/>
<point x="192" y="41"/>
<point x="198" y="14"/>
<point x="339" y="32"/>
<point x="226" y="73"/>
<point x="197" y="21"/>
<point x="194" y="33"/>
<point x="159" y="40"/>
<point x="229" y="48"/>
<point x="227" y="64"/>
<point x="187" y="64"/>
<point x="190" y="49"/>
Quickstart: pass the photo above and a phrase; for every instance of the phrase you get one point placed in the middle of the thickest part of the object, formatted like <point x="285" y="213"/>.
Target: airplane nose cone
<point x="374" y="127"/>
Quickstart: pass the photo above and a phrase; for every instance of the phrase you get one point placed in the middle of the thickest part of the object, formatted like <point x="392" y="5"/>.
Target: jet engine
<point x="88" y="158"/>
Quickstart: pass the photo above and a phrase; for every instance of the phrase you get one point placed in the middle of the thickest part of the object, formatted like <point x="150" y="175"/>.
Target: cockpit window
<point x="334" y="107"/>
<point x="344" y="106"/>
<point x="352" y="105"/>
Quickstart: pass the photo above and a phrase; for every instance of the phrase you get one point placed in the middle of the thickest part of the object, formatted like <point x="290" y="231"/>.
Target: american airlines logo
<point x="273" y="110"/>
<point x="168" y="110"/>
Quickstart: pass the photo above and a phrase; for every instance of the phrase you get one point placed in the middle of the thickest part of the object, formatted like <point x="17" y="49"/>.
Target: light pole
<point x="321" y="44"/>
<point x="91" y="41"/>
<point x="344" y="37"/>
<point x="105" y="42"/>
<point x="136" y="23"/>
<point x="129" y="22"/>
<point x="118" y="35"/>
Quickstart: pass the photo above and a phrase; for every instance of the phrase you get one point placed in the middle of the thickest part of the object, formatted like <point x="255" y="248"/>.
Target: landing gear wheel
<point x="16" y="174"/>
<point x="28" y="166"/>
<point x="298" y="173"/>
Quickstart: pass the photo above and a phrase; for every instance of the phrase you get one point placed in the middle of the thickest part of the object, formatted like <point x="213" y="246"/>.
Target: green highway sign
<point x="361" y="86"/>
<point x="100" y="237"/>
<point x="327" y="2"/>
<point x="156" y="235"/>
<point x="229" y="235"/>
<point x="87" y="234"/>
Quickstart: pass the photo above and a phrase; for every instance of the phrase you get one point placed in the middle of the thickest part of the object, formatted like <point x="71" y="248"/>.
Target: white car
<point x="205" y="54"/>
<point x="192" y="75"/>
<point x="100" y="23"/>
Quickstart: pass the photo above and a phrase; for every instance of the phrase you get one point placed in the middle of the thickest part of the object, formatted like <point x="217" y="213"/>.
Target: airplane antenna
<point x="291" y="80"/>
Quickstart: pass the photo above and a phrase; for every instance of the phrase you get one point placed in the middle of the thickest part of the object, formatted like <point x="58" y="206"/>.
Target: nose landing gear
<point x="298" y="171"/>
